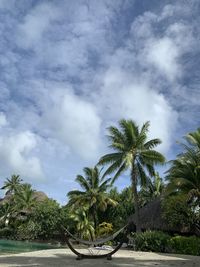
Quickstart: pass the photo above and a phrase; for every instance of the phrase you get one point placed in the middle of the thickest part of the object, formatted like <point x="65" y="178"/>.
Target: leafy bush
<point x="185" y="245"/>
<point x="6" y="232"/>
<point x="47" y="216"/>
<point x="155" y="241"/>
<point x="104" y="229"/>
<point x="27" y="231"/>
<point x="177" y="212"/>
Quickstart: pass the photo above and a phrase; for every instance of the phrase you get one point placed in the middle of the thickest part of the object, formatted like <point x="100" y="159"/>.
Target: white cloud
<point x="70" y="69"/>
<point x="35" y="23"/>
<point x="123" y="96"/>
<point x="163" y="54"/>
<point x="75" y="121"/>
<point x="16" y="154"/>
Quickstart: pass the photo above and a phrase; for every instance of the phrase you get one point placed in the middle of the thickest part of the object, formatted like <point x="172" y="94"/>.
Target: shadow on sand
<point x="62" y="259"/>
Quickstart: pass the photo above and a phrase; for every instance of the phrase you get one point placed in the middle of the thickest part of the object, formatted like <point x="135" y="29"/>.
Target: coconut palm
<point x="84" y="226"/>
<point x="134" y="152"/>
<point x="152" y="190"/>
<point x="184" y="173"/>
<point x="94" y="194"/>
<point x="12" y="184"/>
<point x="25" y="199"/>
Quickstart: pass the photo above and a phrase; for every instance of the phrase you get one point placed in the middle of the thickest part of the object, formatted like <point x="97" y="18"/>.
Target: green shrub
<point x="185" y="245"/>
<point x="177" y="213"/>
<point x="155" y="241"/>
<point x="5" y="232"/>
<point x="27" y="231"/>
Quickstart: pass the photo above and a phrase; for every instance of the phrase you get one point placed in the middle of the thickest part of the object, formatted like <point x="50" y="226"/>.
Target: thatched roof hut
<point x="151" y="219"/>
<point x="38" y="195"/>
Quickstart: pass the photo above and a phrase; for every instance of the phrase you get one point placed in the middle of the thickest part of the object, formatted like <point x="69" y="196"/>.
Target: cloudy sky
<point x="69" y="69"/>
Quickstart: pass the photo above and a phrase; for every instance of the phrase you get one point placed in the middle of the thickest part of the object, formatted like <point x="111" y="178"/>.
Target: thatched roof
<point x="39" y="195"/>
<point x="5" y="199"/>
<point x="151" y="219"/>
<point x="150" y="216"/>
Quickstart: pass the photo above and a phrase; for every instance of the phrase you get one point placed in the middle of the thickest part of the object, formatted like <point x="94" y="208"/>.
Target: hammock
<point x="95" y="243"/>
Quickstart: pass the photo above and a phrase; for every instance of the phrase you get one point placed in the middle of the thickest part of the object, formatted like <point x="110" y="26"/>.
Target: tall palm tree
<point x="94" y="194"/>
<point x="184" y="173"/>
<point x="134" y="152"/>
<point x="12" y="184"/>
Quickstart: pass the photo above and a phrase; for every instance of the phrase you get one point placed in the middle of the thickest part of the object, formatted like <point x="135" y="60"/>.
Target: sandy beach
<point x="123" y="258"/>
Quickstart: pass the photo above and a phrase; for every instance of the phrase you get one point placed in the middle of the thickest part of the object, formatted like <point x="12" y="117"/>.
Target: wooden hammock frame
<point x="108" y="255"/>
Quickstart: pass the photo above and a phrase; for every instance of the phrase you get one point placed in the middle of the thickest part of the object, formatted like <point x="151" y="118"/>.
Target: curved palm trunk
<point x="135" y="196"/>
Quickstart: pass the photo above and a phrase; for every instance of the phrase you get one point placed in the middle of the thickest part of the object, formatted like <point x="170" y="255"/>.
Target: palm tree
<point x="132" y="151"/>
<point x="25" y="199"/>
<point x="5" y="213"/>
<point x="184" y="173"/>
<point x="152" y="190"/>
<point x="12" y="184"/>
<point x="84" y="226"/>
<point x="94" y="194"/>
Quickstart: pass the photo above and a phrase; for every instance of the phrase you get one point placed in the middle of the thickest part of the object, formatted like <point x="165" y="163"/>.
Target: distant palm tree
<point x="94" y="194"/>
<point x="132" y="151"/>
<point x="5" y="213"/>
<point x="25" y="199"/>
<point x="184" y="173"/>
<point x="12" y="184"/>
<point x="152" y="190"/>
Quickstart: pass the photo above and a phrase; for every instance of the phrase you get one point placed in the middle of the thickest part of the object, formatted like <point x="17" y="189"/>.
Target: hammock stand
<point x="108" y="255"/>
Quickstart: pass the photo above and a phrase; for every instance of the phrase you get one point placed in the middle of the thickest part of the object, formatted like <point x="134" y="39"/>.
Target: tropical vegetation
<point x="134" y="152"/>
<point x="98" y="208"/>
<point x="94" y="197"/>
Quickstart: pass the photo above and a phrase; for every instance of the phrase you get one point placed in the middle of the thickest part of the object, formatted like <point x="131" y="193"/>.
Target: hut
<point x="151" y="219"/>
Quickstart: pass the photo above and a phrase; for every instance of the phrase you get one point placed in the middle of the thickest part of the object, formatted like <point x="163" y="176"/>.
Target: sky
<point x="69" y="69"/>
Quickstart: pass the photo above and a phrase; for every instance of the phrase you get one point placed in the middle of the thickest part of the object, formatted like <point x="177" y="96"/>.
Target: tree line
<point x="98" y="208"/>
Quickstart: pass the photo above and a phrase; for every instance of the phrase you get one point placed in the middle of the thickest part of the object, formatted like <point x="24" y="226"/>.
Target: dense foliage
<point x="25" y="215"/>
<point x="185" y="245"/>
<point x="152" y="241"/>
<point x="99" y="209"/>
<point x="157" y="241"/>
<point x="118" y="215"/>
<point x="178" y="213"/>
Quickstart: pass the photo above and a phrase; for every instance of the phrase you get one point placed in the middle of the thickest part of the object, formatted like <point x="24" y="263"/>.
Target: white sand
<point x="123" y="258"/>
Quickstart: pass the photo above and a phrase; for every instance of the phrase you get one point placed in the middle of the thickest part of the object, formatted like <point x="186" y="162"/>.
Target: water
<point x="11" y="246"/>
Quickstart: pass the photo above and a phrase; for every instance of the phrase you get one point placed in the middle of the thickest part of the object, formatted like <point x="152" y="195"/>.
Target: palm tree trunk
<point x="135" y="197"/>
<point x="95" y="218"/>
<point x="91" y="235"/>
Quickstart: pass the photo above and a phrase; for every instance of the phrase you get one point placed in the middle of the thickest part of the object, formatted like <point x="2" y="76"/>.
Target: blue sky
<point x="69" y="69"/>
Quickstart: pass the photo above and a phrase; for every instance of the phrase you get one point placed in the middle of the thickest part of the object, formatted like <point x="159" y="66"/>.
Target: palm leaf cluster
<point x="93" y="194"/>
<point x="84" y="226"/>
<point x="132" y="151"/>
<point x="184" y="173"/>
<point x="132" y="148"/>
<point x="20" y="199"/>
<point x="152" y="190"/>
<point x="12" y="184"/>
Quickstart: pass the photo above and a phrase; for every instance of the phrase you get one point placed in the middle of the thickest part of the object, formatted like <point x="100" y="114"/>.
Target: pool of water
<point x="11" y="246"/>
